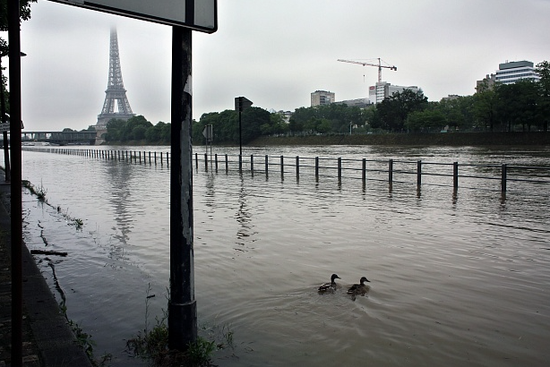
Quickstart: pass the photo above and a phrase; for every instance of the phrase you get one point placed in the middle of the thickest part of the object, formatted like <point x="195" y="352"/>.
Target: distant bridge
<point x="60" y="137"/>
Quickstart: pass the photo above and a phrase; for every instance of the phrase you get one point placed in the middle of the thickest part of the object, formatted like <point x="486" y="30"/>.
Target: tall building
<point x="487" y="83"/>
<point x="322" y="97"/>
<point x="116" y="105"/>
<point x="511" y="72"/>
<point x="383" y="90"/>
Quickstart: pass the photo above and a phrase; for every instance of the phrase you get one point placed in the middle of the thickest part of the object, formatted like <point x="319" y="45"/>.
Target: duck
<point x="330" y="286"/>
<point x="359" y="289"/>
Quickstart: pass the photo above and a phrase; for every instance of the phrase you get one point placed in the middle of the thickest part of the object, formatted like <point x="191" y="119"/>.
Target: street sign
<point x="242" y="103"/>
<point x="4" y="126"/>
<point x="208" y="133"/>
<point x="200" y="15"/>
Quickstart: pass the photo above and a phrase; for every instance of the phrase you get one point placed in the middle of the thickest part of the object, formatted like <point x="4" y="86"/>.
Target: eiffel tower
<point x="115" y="93"/>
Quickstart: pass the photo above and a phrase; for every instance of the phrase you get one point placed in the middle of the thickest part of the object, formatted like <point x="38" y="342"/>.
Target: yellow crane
<point x="379" y="66"/>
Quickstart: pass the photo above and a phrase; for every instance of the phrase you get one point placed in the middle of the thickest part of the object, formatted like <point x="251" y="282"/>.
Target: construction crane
<point x="379" y="65"/>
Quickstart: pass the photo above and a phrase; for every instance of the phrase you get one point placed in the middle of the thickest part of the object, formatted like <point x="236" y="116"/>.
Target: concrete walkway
<point x="47" y="339"/>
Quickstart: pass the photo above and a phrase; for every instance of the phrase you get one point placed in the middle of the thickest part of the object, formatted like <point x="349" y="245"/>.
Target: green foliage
<point x="543" y="69"/>
<point x="255" y="122"/>
<point x="394" y="110"/>
<point x="426" y="121"/>
<point x="153" y="345"/>
<point x="137" y="128"/>
<point x="199" y="352"/>
<point x="24" y="14"/>
<point x="333" y="118"/>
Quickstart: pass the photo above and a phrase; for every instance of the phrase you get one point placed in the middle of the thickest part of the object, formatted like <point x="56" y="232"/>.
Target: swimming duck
<point x="330" y="286"/>
<point x="359" y="289"/>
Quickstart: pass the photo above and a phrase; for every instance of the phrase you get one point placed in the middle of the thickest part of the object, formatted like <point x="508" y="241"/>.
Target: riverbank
<point x="47" y="339"/>
<point x="442" y="139"/>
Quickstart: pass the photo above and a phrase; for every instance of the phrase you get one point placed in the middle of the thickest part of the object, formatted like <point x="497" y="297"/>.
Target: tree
<point x="24" y="14"/>
<point x="252" y="120"/>
<point x="278" y="124"/>
<point x="426" y="121"/>
<point x="485" y="108"/>
<point x="393" y="111"/>
<point x="543" y="69"/>
<point x="457" y="111"/>
<point x="516" y="105"/>
<point x="335" y="118"/>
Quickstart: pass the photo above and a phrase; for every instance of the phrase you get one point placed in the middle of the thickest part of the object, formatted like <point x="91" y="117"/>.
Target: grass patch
<point x="39" y="192"/>
<point x="152" y="344"/>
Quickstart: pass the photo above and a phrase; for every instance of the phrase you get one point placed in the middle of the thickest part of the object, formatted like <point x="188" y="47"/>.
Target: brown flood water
<point x="455" y="280"/>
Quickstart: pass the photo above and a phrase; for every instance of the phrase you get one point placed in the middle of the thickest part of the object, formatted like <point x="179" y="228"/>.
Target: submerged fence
<point x="390" y="170"/>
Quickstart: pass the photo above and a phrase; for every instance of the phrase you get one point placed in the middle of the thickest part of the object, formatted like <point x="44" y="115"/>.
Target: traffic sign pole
<point x="182" y="309"/>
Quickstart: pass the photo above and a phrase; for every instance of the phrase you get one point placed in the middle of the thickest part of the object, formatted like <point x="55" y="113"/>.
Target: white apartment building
<point x="511" y="72"/>
<point x="383" y="90"/>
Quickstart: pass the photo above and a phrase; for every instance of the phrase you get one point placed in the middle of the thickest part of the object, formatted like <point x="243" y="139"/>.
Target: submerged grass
<point x="39" y="192"/>
<point x="152" y="344"/>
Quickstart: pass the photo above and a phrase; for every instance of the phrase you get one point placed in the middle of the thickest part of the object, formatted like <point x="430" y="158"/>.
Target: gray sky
<point x="273" y="52"/>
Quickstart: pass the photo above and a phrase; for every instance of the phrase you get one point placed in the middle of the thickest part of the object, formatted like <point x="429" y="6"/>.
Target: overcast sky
<point x="274" y="52"/>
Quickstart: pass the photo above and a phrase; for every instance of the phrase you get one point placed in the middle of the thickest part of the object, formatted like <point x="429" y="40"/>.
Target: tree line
<point x="522" y="106"/>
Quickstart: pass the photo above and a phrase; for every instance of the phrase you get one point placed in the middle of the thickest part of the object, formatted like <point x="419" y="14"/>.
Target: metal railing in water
<point x="390" y="170"/>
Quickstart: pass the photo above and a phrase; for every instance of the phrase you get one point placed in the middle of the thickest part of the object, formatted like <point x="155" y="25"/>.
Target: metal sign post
<point x="241" y="104"/>
<point x="208" y="133"/>
<point x="182" y="308"/>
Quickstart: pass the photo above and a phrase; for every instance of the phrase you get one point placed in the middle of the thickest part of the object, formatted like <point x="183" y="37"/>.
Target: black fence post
<point x="317" y="168"/>
<point x="364" y="171"/>
<point x="206" y="162"/>
<point x="455" y="175"/>
<point x="226" y="164"/>
<point x="504" y="178"/>
<point x="339" y="169"/>
<point x="282" y="167"/>
<point x="252" y="164"/>
<point x="266" y="165"/>
<point x="390" y="171"/>
<point x="418" y="173"/>
<point x="297" y="167"/>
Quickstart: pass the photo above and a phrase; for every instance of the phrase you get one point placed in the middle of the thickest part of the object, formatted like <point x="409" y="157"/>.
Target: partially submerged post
<point x="182" y="309"/>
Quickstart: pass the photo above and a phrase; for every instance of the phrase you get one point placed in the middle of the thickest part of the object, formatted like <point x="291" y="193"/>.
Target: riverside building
<point x="511" y="72"/>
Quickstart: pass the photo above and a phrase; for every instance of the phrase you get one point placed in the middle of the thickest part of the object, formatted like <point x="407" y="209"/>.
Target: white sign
<point x="200" y="15"/>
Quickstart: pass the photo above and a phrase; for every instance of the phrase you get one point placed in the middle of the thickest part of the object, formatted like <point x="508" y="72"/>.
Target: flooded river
<point x="457" y="279"/>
